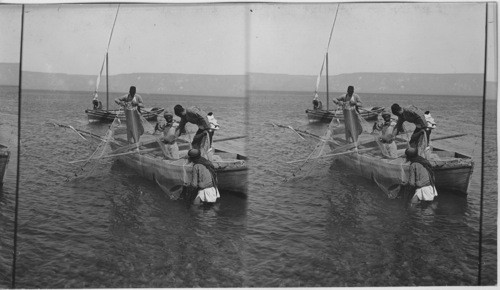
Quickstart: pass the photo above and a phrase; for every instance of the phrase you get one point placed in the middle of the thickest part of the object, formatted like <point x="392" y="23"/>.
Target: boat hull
<point x="231" y="172"/>
<point x="110" y="115"/>
<point x="452" y="170"/>
<point x="4" y="160"/>
<point x="325" y="116"/>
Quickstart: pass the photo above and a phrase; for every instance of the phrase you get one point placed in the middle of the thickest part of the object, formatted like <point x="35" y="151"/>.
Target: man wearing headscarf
<point x="131" y="100"/>
<point x="385" y="126"/>
<point x="350" y="103"/>
<point x="204" y="178"/>
<point x="421" y="176"/>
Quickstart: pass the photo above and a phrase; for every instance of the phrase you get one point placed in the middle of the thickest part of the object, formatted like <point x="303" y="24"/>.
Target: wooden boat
<point x="105" y="114"/>
<point x="98" y="115"/>
<point x="452" y="170"/>
<point x="4" y="160"/>
<point x="326" y="116"/>
<point x="231" y="167"/>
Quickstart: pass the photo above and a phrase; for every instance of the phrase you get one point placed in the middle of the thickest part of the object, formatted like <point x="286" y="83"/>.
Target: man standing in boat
<point x="131" y="99"/>
<point x="412" y="115"/>
<point x="198" y="117"/>
<point x="214" y="126"/>
<point x="350" y="103"/>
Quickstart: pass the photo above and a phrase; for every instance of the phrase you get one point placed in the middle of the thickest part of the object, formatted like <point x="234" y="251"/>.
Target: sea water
<point x="325" y="227"/>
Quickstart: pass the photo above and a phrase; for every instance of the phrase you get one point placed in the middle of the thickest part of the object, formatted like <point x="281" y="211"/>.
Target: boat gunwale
<point x="120" y="142"/>
<point x="328" y="115"/>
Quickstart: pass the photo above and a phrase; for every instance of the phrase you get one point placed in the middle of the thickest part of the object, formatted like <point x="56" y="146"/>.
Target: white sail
<point x="324" y="57"/>
<point x="98" y="81"/>
<point x="319" y="78"/>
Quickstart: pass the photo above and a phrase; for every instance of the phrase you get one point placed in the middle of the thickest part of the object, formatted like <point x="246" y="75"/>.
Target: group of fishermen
<point x="421" y="174"/>
<point x="204" y="177"/>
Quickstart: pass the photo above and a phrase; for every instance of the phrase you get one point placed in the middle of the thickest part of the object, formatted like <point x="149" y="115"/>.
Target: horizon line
<point x="249" y="73"/>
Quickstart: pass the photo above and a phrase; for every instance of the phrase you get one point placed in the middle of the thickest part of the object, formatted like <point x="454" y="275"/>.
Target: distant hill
<point x="379" y="83"/>
<point x="181" y="84"/>
<point x="234" y="85"/>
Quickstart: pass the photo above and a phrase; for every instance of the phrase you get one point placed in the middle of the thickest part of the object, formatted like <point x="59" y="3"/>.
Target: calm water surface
<point x="326" y="227"/>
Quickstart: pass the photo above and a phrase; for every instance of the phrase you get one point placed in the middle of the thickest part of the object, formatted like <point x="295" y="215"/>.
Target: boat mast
<point x="326" y="57"/>
<point x="106" y="59"/>
<point x="327" y="94"/>
<point x="107" y="84"/>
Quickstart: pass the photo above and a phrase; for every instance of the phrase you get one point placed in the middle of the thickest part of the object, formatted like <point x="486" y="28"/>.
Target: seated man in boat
<point x="131" y="100"/>
<point x="317" y="105"/>
<point x="385" y="126"/>
<point x="350" y="103"/>
<point x="195" y="116"/>
<point x="413" y="115"/>
<point x="421" y="177"/>
<point x="96" y="103"/>
<point x="169" y="137"/>
<point x="204" y="178"/>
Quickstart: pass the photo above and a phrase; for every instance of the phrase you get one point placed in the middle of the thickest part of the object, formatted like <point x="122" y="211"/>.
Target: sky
<point x="231" y="39"/>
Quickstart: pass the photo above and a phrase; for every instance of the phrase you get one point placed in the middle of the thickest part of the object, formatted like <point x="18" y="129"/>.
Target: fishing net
<point x="148" y="128"/>
<point x="89" y="165"/>
<point x="322" y="148"/>
<point x="170" y="182"/>
<point x="366" y="126"/>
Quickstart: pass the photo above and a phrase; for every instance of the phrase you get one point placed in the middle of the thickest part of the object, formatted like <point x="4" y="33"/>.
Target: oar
<point x="331" y="155"/>
<point x="447" y="137"/>
<point x="320" y="138"/>
<point x="78" y="130"/>
<point x="287" y="127"/>
<point x="351" y="145"/>
<point x="131" y="146"/>
<point x="71" y="127"/>
<point x="366" y="110"/>
<point x="290" y="127"/>
<point x="302" y="132"/>
<point x="230" y="138"/>
<point x="436" y="139"/>
<point x="119" y="154"/>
